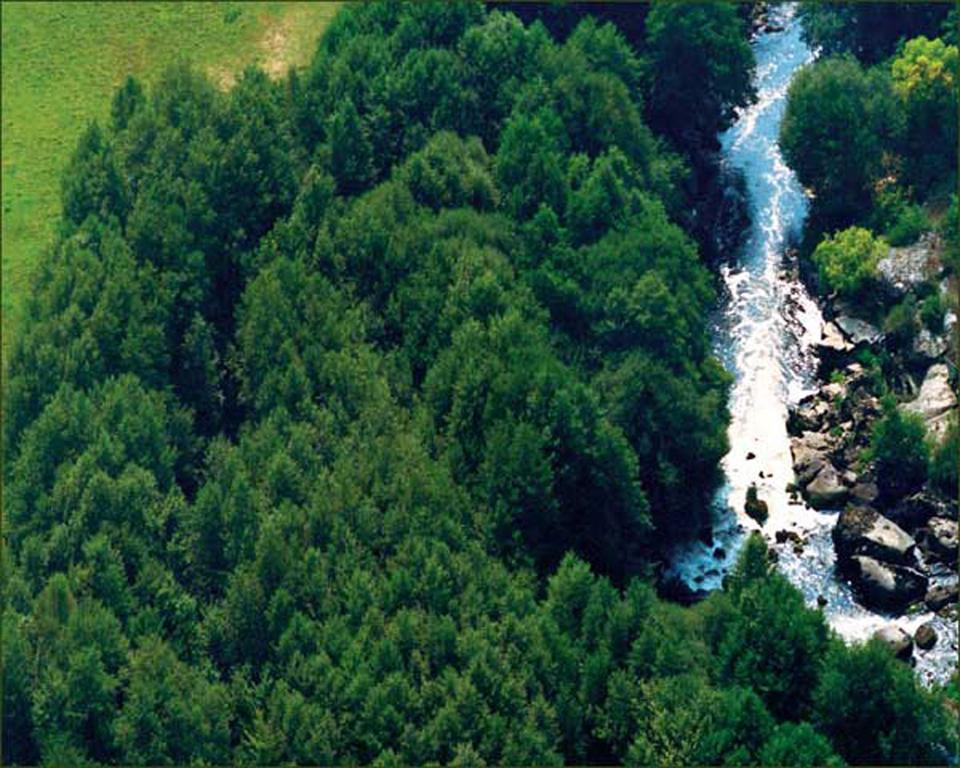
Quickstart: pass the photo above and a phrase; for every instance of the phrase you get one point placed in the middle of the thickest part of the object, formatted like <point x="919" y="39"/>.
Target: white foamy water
<point x="766" y="335"/>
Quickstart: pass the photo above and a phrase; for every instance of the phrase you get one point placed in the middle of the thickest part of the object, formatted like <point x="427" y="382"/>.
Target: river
<point x="765" y="333"/>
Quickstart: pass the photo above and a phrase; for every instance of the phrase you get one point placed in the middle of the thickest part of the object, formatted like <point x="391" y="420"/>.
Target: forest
<point x="351" y="414"/>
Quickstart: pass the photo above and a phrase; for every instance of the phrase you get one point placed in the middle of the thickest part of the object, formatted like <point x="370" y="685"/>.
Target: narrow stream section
<point x="766" y="334"/>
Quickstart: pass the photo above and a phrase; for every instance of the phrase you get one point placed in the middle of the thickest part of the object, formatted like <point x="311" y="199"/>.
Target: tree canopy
<point x="351" y="412"/>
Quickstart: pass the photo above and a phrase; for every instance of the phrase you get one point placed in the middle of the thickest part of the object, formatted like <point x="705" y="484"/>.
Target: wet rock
<point x="858" y="331"/>
<point x="783" y="536"/>
<point x="925" y="637"/>
<point x="939" y="539"/>
<point x="719" y="553"/>
<point x="897" y="640"/>
<point x="755" y="507"/>
<point x="826" y="490"/>
<point x="885" y="586"/>
<point x="941" y="596"/>
<point x="751" y="456"/>
<point x="935" y="397"/>
<point x="821" y="601"/>
<point x="864" y="531"/>
<point x="864" y="493"/>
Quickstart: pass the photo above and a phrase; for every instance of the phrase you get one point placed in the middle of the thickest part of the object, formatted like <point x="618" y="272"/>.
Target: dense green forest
<point x="349" y="414"/>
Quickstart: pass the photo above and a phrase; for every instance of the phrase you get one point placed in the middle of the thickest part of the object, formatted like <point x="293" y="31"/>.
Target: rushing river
<point x="766" y="334"/>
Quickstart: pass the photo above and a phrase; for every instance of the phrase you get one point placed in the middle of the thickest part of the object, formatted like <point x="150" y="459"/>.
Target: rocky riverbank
<point x="894" y="540"/>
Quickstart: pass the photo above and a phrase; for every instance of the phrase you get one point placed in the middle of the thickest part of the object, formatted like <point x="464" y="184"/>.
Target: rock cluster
<point x="884" y="546"/>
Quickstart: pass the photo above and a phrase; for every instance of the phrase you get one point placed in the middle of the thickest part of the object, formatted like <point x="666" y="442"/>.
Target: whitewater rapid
<point x="766" y="333"/>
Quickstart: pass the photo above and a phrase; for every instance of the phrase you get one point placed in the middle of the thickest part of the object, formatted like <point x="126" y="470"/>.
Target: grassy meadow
<point x="61" y="62"/>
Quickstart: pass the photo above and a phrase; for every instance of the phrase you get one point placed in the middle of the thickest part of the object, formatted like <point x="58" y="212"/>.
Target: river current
<point x="765" y="333"/>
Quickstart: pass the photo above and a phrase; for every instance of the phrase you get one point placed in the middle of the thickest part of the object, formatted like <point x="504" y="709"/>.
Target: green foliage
<point x="699" y="65"/>
<point x="772" y="645"/>
<point x="798" y="744"/>
<point x="847" y="261"/>
<point x="869" y="706"/>
<point x="838" y="121"/>
<point x="925" y="75"/>
<point x="900" y="325"/>
<point x="950" y="229"/>
<point x="931" y="312"/>
<point x="945" y="460"/>
<point x="868" y="31"/>
<point x="899" y="448"/>
<point x="901" y="221"/>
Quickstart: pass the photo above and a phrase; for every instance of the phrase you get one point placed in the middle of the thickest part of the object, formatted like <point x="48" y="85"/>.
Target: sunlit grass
<point x="61" y="63"/>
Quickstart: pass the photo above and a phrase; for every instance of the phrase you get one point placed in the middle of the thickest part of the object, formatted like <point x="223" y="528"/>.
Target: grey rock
<point x="832" y="339"/>
<point x="826" y="490"/>
<point x="935" y="397"/>
<point x="897" y="640"/>
<point x="929" y="346"/>
<point x="864" y="493"/>
<point x="864" y="531"/>
<point x="939" y="539"/>
<point x="906" y="267"/>
<point x="885" y="586"/>
<point x="858" y="331"/>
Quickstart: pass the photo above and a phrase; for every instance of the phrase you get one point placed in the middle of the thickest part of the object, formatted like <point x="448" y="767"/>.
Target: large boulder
<point x="885" y="586"/>
<point x="907" y="267"/>
<point x="809" y="453"/>
<point x="833" y="349"/>
<point x="897" y="640"/>
<point x="935" y="397"/>
<point x="858" y="331"/>
<point x="827" y="489"/>
<point x="808" y="416"/>
<point x="864" y="531"/>
<point x="939" y="539"/>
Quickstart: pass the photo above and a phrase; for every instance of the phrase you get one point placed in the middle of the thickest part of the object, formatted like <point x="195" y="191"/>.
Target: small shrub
<point x="899" y="449"/>
<point x="900" y="325"/>
<point x="847" y="261"/>
<point x="909" y="224"/>
<point x="944" y="461"/>
<point x="901" y="221"/>
<point x="950" y="231"/>
<point x="931" y="312"/>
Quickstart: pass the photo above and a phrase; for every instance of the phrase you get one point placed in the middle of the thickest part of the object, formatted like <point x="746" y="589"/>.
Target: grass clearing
<point x="61" y="62"/>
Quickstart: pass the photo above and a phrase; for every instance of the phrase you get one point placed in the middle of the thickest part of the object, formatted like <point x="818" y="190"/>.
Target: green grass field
<point x="63" y="60"/>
